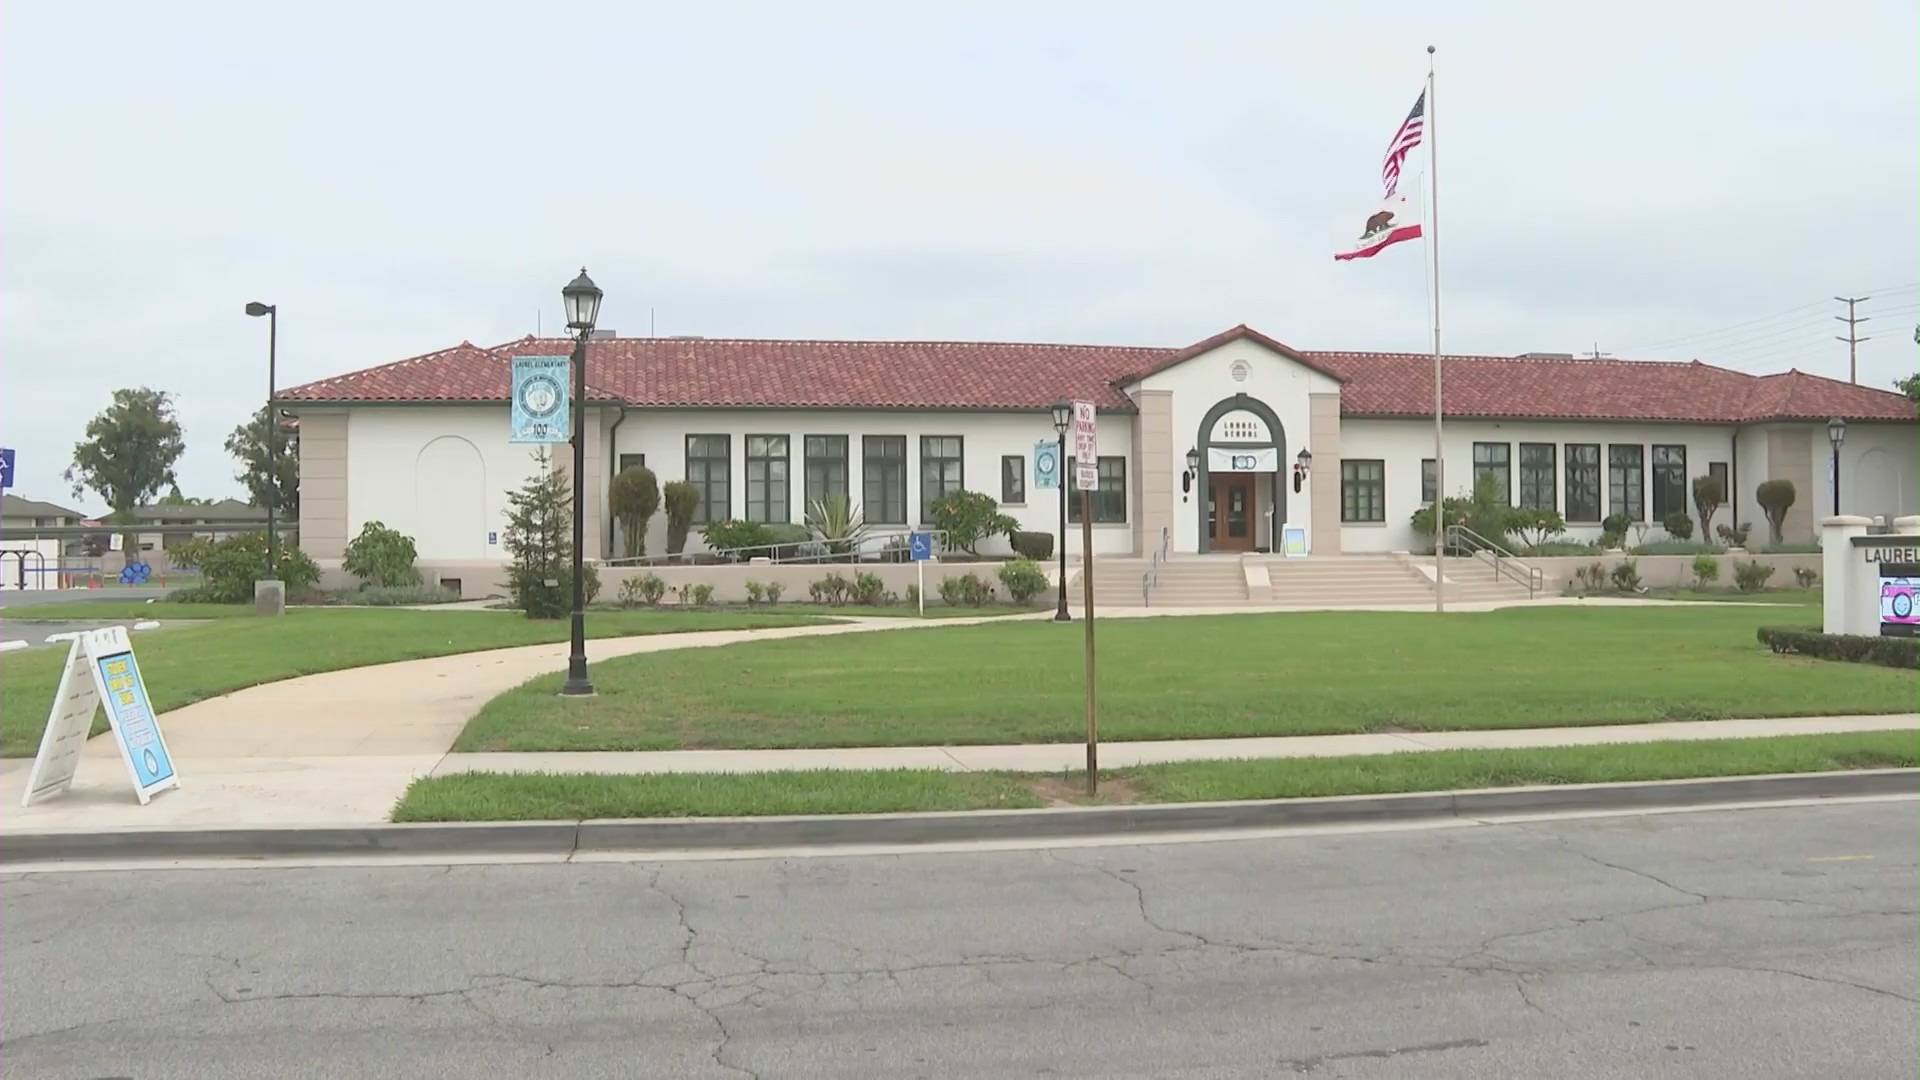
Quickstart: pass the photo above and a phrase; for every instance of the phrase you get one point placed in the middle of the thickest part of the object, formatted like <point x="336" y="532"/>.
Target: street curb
<point x="834" y="830"/>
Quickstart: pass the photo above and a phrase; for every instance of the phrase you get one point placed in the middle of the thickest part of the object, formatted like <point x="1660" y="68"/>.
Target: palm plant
<point x="837" y="523"/>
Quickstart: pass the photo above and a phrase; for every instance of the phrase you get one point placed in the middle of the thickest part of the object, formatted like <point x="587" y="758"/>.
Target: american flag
<point x="1404" y="141"/>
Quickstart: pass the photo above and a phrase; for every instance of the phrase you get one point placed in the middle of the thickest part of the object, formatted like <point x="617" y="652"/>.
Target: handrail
<point x="873" y="547"/>
<point x="1459" y="537"/>
<point x="1151" y="579"/>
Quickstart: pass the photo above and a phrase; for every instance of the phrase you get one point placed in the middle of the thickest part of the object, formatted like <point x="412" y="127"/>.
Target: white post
<point x="1850" y="603"/>
<point x="920" y="568"/>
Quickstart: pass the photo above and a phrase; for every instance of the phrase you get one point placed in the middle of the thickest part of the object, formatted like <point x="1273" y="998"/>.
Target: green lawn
<point x="126" y="609"/>
<point x="190" y="663"/>
<point x="1198" y="677"/>
<point x="542" y="796"/>
<point x="1799" y="597"/>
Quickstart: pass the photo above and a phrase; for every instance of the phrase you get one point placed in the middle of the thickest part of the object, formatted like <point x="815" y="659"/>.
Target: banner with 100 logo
<point x="540" y="407"/>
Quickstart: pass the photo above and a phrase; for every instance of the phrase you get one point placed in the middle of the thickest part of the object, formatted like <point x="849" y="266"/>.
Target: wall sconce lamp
<point x="1193" y="470"/>
<point x="1302" y="465"/>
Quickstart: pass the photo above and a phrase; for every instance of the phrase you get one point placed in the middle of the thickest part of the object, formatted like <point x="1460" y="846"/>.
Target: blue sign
<point x="540" y="412"/>
<point x="1046" y="465"/>
<point x="6" y="469"/>
<point x="919" y="546"/>
<point x="132" y="715"/>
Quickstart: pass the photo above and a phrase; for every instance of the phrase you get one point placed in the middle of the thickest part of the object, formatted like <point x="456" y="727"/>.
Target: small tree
<point x="381" y="557"/>
<point x="1776" y="498"/>
<point x="634" y="497"/>
<point x="1709" y="495"/>
<point x="539" y="540"/>
<point x="681" y="500"/>
<point x="1536" y="527"/>
<point x="969" y="517"/>
<point x="248" y="445"/>
<point x="128" y="454"/>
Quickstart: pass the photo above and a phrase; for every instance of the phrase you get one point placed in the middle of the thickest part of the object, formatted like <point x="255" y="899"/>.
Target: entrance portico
<point x="1240" y="468"/>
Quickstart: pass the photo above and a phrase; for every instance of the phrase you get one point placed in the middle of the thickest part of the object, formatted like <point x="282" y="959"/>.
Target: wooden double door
<point x="1230" y="511"/>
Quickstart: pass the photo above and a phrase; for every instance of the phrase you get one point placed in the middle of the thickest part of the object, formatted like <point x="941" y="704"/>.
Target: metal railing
<point x="874" y="547"/>
<point x="1151" y="579"/>
<point x="1462" y="539"/>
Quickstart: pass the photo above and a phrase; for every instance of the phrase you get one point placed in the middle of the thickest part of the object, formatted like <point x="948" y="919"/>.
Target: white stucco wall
<point x="1879" y="471"/>
<point x="1403" y="444"/>
<point x="662" y="436"/>
<point x="1285" y="386"/>
<point x="440" y="474"/>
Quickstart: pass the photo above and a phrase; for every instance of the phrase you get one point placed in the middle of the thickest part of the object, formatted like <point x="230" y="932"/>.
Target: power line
<point x="1853" y="338"/>
<point x="1763" y="326"/>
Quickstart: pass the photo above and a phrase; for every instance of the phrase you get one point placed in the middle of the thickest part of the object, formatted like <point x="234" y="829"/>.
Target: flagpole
<point x="1439" y="452"/>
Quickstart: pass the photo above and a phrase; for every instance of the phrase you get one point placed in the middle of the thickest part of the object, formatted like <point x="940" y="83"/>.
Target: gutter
<point x="1733" y="478"/>
<point x="613" y="465"/>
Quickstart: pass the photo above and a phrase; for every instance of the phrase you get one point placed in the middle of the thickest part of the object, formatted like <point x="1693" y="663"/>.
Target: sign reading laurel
<point x="540" y="412"/>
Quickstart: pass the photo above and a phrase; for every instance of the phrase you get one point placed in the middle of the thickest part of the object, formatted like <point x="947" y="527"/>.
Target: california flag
<point x="1394" y="221"/>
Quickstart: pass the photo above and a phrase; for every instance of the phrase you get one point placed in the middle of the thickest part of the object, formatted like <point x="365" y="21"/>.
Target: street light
<point x="582" y="300"/>
<point x="1062" y="420"/>
<point x="1836" y="434"/>
<point x="256" y="309"/>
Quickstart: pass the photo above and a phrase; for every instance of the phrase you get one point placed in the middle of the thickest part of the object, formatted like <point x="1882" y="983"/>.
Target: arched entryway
<point x="1241" y="477"/>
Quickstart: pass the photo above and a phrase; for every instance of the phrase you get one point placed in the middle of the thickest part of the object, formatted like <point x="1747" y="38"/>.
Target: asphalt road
<point x="1757" y="943"/>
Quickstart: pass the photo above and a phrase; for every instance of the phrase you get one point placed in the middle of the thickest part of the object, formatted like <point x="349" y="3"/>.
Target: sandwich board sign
<point x="101" y="672"/>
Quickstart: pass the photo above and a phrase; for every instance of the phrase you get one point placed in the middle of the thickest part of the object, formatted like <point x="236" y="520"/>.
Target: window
<point x="1363" y="490"/>
<point x="1013" y="480"/>
<point x="1490" y="459"/>
<point x="883" y="464"/>
<point x="1537" y="476"/>
<point x="826" y="466"/>
<point x="1583" y="482"/>
<point x="710" y="471"/>
<point x="767" y="487"/>
<point x="1669" y="481"/>
<point x="1718" y="470"/>
<point x="940" y="471"/>
<point x="632" y="461"/>
<point x="1429" y="481"/>
<point x="1109" y="499"/>
<point x="1626" y="482"/>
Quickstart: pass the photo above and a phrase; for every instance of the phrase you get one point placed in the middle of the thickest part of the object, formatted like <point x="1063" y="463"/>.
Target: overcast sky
<point x="400" y="176"/>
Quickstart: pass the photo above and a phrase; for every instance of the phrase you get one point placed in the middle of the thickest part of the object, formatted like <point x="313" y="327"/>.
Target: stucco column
<point x="323" y="484"/>
<point x="1790" y="457"/>
<point x="1323" y="439"/>
<point x="1848" y="595"/>
<point x="1153" y="455"/>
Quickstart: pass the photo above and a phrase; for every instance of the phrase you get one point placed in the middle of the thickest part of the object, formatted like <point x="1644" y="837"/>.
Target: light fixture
<point x="1193" y="472"/>
<point x="1836" y="432"/>
<point x="1302" y="465"/>
<point x="582" y="300"/>
<point x="1062" y="416"/>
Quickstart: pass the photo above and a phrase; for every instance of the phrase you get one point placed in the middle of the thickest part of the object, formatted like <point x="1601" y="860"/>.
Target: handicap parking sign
<point x="919" y="546"/>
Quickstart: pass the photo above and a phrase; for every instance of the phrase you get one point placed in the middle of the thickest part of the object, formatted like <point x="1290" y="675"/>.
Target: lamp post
<point x="272" y="311"/>
<point x="1062" y="420"/>
<point x="1836" y="434"/>
<point x="582" y="300"/>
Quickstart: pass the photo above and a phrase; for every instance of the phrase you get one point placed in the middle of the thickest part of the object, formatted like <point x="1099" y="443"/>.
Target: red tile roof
<point x="749" y="373"/>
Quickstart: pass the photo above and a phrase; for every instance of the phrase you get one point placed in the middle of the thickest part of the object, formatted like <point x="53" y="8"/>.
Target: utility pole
<point x="1853" y="338"/>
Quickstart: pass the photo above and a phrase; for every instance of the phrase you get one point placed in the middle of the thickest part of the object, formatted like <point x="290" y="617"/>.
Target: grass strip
<point x="125" y="609"/>
<point x="575" y="796"/>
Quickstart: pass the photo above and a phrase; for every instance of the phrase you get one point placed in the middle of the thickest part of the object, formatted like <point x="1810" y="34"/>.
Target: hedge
<point x="1894" y="652"/>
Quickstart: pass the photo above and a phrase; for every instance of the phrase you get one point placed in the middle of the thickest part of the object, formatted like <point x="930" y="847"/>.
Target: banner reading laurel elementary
<point x="540" y="412"/>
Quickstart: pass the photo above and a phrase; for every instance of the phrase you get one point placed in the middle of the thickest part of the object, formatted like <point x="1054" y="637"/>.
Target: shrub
<point x="1678" y="525"/>
<point x="702" y="594"/>
<point x="681" y="500"/>
<point x="968" y="518"/>
<point x="1775" y="498"/>
<point x="1564" y="547"/>
<point x="774" y="592"/>
<point x="1751" y="576"/>
<point x="1735" y="535"/>
<point x="634" y="497"/>
<point x="229" y="568"/>
<point x="391" y="595"/>
<point x="740" y="539"/>
<point x="1037" y="546"/>
<point x="1626" y="575"/>
<point x="913" y="596"/>
<point x="1789" y="549"/>
<point x="784" y="539"/>
<point x="1675" y="547"/>
<point x="868" y="589"/>
<point x="966" y="589"/>
<point x="685" y="595"/>
<point x="1807" y="576"/>
<point x="756" y="592"/>
<point x="1706" y="570"/>
<point x="1709" y="494"/>
<point x="646" y="589"/>
<point x="832" y="589"/>
<point x="1535" y="527"/>
<point x="1591" y="578"/>
<point x="381" y="556"/>
<point x="1893" y="652"/>
<point x="1613" y="530"/>
<point x="1024" y="579"/>
<point x="837" y="523"/>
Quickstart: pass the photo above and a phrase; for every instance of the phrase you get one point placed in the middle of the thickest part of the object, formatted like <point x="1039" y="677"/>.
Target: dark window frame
<point x="824" y="467"/>
<point x="885" y="474"/>
<point x="1109" y="499"/>
<point x="1353" y="487"/>
<point x="1530" y="495"/>
<point x="1504" y="465"/>
<point x="1585" y="475"/>
<point x="1013" y="485"/>
<point x="629" y="461"/>
<point x="762" y="511"/>
<point x="1429" y="481"/>
<point x="706" y="480"/>
<point x="1660" y="474"/>
<point x="1618" y="491"/>
<point x="934" y="467"/>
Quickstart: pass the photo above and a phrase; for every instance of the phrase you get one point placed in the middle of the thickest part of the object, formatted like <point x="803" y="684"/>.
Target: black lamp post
<point x="272" y="312"/>
<point x="582" y="299"/>
<point x="1062" y="420"/>
<point x="1836" y="434"/>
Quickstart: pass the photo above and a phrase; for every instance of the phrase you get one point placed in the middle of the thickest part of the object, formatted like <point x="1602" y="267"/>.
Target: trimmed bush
<point x="832" y="589"/>
<point x="1676" y="547"/>
<point x="774" y="591"/>
<point x="1563" y="547"/>
<point x="1751" y="576"/>
<point x="381" y="556"/>
<point x="1893" y="652"/>
<point x="1775" y="498"/>
<point x="1706" y="570"/>
<point x="1735" y="535"/>
<point x="646" y="589"/>
<point x="229" y="568"/>
<point x="869" y="590"/>
<point x="681" y="500"/>
<point x="390" y="595"/>
<point x="1678" y="525"/>
<point x="1626" y="575"/>
<point x="756" y="592"/>
<point x="1709" y="494"/>
<point x="1037" y="546"/>
<point x="1613" y="530"/>
<point x="702" y="594"/>
<point x="733" y="534"/>
<point x="966" y="589"/>
<point x="633" y="497"/>
<point x="1024" y="579"/>
<point x="1807" y="576"/>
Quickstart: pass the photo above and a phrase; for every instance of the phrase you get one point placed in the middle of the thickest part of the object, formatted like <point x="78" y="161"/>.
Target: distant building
<point x="179" y="516"/>
<point x="19" y="513"/>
